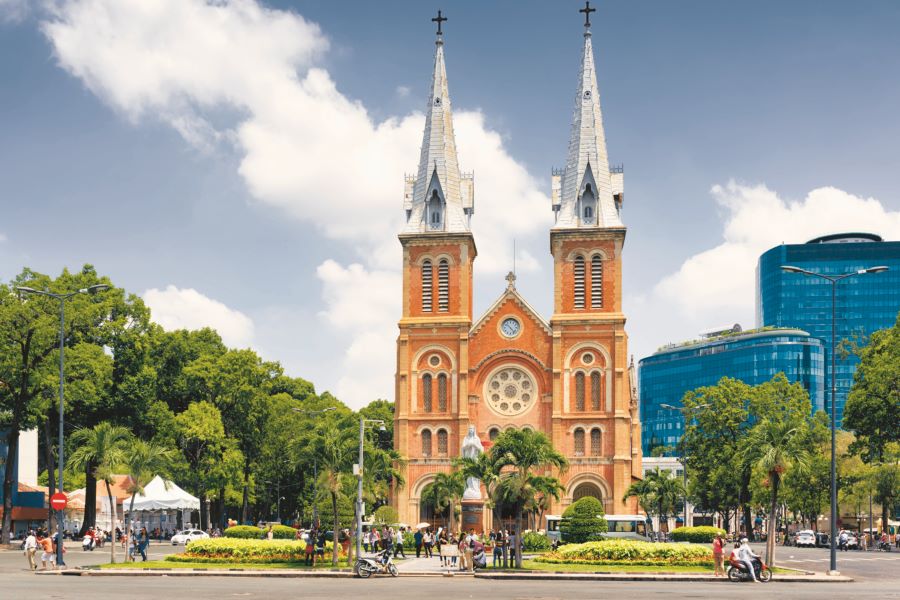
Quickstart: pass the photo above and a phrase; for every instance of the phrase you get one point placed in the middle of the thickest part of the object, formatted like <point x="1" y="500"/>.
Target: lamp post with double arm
<point x="833" y="280"/>
<point x="62" y="345"/>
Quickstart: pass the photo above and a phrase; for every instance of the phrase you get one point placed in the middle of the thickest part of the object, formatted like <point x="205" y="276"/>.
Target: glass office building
<point x="754" y="357"/>
<point x="864" y="303"/>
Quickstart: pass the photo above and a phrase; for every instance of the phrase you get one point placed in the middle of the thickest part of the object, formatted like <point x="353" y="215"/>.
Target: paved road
<point x="863" y="566"/>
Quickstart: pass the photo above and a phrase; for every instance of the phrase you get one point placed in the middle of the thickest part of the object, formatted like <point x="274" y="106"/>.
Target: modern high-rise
<point x="753" y="357"/>
<point x="864" y="304"/>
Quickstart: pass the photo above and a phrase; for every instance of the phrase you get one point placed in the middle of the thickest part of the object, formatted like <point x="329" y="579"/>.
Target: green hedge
<point x="583" y="521"/>
<point x="239" y="550"/>
<point x="697" y="535"/>
<point x="251" y="532"/>
<point x="629" y="552"/>
<point x="534" y="541"/>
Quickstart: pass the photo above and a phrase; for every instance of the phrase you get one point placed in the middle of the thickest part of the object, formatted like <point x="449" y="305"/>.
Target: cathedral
<point x="568" y="377"/>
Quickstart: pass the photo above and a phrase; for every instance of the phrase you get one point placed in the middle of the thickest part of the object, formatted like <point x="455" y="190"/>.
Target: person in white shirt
<point x="746" y="556"/>
<point x="30" y="549"/>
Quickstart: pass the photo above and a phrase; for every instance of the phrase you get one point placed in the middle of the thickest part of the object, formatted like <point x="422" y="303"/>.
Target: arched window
<point x="427" y="291"/>
<point x="579" y="281"/>
<point x="596" y="282"/>
<point x="579" y="442"/>
<point x="595" y="390"/>
<point x="435" y="211"/>
<point x="426" y="443"/>
<point x="588" y="202"/>
<point x="493" y="433"/>
<point x="442" y="442"/>
<point x="444" y="285"/>
<point x="579" y="391"/>
<point x="588" y="213"/>
<point x="595" y="442"/>
<point x="426" y="392"/>
<point x="442" y="392"/>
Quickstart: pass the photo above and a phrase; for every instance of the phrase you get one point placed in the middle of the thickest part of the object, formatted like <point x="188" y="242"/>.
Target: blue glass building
<point x="754" y="357"/>
<point x="865" y="303"/>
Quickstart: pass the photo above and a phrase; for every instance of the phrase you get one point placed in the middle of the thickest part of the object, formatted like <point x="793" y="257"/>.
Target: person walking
<point x="310" y="556"/>
<point x="513" y="548"/>
<point x="143" y="541"/>
<point x="718" y="546"/>
<point x="417" y="540"/>
<point x="30" y="549"/>
<point x="398" y="544"/>
<point x="428" y="542"/>
<point x="497" y="540"/>
<point x="47" y="553"/>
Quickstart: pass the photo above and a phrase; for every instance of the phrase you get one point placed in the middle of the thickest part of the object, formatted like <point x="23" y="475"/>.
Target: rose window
<point x="510" y="391"/>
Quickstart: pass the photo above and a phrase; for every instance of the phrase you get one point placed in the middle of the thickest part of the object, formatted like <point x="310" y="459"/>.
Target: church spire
<point x="439" y="198"/>
<point x="586" y="193"/>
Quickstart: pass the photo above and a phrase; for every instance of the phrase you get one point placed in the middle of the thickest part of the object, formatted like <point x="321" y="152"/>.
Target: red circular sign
<point x="58" y="501"/>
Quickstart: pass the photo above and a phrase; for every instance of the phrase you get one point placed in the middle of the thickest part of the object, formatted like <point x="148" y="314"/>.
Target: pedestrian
<point x="320" y="546"/>
<point x="398" y="544"/>
<point x="310" y="558"/>
<point x="47" y="554"/>
<point x="417" y="540"/>
<point x="497" y="540"/>
<point x="30" y="549"/>
<point x="513" y="548"/>
<point x="864" y="542"/>
<point x="468" y="549"/>
<point x="465" y="554"/>
<point x="428" y="542"/>
<point x="270" y="535"/>
<point x="719" y="555"/>
<point x="143" y="541"/>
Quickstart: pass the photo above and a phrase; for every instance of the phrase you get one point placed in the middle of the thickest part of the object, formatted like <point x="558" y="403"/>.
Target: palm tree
<point x="774" y="446"/>
<point x="443" y="493"/>
<point x="143" y="461"/>
<point x="517" y="454"/>
<point x="335" y="456"/>
<point x="102" y="446"/>
<point x="658" y="493"/>
<point x="546" y="490"/>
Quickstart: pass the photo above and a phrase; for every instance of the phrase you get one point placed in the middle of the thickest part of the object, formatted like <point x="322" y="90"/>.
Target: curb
<point x="550" y="575"/>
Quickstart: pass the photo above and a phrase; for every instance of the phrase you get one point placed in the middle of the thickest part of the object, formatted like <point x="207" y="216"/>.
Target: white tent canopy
<point x="157" y="497"/>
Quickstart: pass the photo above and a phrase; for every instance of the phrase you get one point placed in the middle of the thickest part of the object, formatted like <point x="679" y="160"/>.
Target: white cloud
<point x="13" y="11"/>
<point x="717" y="286"/>
<point x="402" y="91"/>
<point x="306" y="148"/>
<point x="186" y="308"/>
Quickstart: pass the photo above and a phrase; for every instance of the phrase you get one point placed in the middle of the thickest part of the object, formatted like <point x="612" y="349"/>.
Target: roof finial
<point x="439" y="20"/>
<point x="511" y="281"/>
<point x="587" y="10"/>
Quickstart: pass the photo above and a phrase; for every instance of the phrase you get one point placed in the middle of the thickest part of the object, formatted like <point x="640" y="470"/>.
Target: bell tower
<point x="431" y="394"/>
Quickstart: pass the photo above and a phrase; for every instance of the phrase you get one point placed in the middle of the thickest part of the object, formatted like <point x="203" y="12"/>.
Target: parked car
<point x="822" y="540"/>
<point x="188" y="535"/>
<point x="805" y="539"/>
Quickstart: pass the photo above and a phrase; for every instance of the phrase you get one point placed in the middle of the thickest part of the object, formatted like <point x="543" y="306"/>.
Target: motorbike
<point x="382" y="562"/>
<point x="737" y="571"/>
<point x="87" y="543"/>
<point x="884" y="546"/>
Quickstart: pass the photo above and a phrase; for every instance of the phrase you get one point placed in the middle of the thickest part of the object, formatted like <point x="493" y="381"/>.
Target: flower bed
<point x="697" y="535"/>
<point x="237" y="550"/>
<point x="628" y="552"/>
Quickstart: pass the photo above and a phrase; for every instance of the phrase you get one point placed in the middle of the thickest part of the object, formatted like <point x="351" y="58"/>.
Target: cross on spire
<point x="439" y="20"/>
<point x="511" y="281"/>
<point x="587" y="10"/>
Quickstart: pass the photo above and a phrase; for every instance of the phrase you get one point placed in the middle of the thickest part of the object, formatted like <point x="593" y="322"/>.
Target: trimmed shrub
<point x="385" y="515"/>
<point x="244" y="532"/>
<point x="243" y="550"/>
<point x="696" y="535"/>
<point x="534" y="541"/>
<point x="629" y="552"/>
<point x="283" y="532"/>
<point x="583" y="521"/>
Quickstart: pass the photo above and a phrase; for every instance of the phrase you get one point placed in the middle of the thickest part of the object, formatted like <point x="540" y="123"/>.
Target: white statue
<point x="472" y="448"/>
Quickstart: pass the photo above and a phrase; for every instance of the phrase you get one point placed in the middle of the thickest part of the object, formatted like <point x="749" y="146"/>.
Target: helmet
<point x="745" y="541"/>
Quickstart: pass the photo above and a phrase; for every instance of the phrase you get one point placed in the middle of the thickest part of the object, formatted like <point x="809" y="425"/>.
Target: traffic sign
<point x="58" y="501"/>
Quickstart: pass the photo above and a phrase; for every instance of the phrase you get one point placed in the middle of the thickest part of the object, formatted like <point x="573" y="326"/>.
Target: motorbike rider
<point x="746" y="556"/>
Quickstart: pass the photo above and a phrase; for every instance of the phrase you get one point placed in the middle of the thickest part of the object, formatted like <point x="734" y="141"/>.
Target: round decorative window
<point x="587" y="358"/>
<point x="434" y="360"/>
<point x="510" y="391"/>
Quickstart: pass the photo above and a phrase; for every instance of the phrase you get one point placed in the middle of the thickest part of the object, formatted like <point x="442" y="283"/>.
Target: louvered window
<point x="579" y="391"/>
<point x="595" y="442"/>
<point x="426" y="443"/>
<point x="426" y="392"/>
<point x="596" y="282"/>
<point x="579" y="281"/>
<point x="579" y="442"/>
<point x="493" y="433"/>
<point x="442" y="392"/>
<point x="442" y="442"/>
<point x="595" y="391"/>
<point x="427" y="290"/>
<point x="444" y="285"/>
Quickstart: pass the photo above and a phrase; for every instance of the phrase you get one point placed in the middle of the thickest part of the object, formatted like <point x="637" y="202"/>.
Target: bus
<point x="629" y="527"/>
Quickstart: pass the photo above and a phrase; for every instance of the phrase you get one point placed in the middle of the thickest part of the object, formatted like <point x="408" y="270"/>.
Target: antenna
<point x="514" y="256"/>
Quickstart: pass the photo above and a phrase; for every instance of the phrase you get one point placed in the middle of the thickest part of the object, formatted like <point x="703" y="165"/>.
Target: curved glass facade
<point x="752" y="357"/>
<point x="864" y="303"/>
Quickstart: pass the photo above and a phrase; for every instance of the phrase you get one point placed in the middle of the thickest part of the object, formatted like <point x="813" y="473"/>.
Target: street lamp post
<point x="684" y="412"/>
<point x="315" y="513"/>
<point x="833" y="280"/>
<point x="359" y="480"/>
<point x="62" y="344"/>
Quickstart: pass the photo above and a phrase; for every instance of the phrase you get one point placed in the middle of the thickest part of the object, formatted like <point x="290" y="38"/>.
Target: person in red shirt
<point x="719" y="555"/>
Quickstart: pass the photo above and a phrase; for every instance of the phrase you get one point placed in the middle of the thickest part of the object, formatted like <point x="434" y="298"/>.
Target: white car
<point x="806" y="539"/>
<point x="188" y="535"/>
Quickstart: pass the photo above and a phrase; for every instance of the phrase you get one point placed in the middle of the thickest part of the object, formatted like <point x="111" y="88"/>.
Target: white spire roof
<point x="438" y="164"/>
<point x="587" y="161"/>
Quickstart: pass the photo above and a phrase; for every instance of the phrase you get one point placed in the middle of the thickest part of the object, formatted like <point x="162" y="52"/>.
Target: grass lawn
<point x="166" y="564"/>
<point x="581" y="568"/>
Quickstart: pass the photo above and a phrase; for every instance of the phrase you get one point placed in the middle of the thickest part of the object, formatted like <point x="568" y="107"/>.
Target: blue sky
<point x="240" y="163"/>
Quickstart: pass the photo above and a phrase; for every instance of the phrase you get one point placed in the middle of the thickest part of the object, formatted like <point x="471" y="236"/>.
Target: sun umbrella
<point x="423" y="525"/>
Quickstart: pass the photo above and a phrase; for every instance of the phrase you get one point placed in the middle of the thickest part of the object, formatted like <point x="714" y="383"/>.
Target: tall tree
<point x="104" y="448"/>
<point x="143" y="461"/>
<point x="443" y="492"/>
<point x="336" y="447"/>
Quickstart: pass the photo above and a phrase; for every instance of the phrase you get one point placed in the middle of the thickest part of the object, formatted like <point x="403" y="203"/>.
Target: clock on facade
<point x="510" y="327"/>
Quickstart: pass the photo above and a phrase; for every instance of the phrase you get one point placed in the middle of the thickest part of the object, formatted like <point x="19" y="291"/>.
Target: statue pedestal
<point x="473" y="516"/>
